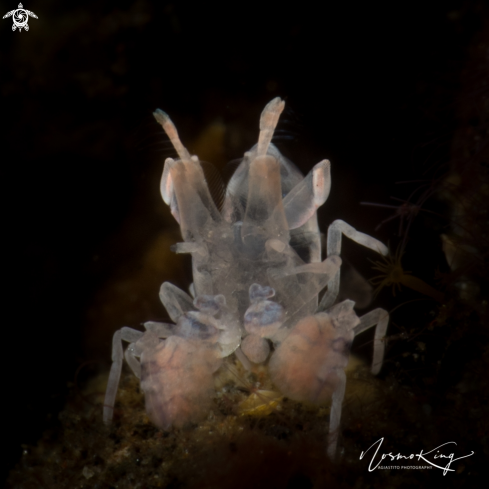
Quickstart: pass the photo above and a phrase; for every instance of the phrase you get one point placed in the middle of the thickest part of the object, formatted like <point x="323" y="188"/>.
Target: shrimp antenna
<point x="268" y="123"/>
<point x="166" y="123"/>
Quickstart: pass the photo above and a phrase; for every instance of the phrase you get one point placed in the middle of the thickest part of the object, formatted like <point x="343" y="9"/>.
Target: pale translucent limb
<point x="335" y="415"/>
<point x="138" y="341"/>
<point x="308" y="195"/>
<point x="166" y="184"/>
<point x="268" y="123"/>
<point x="183" y="185"/>
<point x="237" y="188"/>
<point x="379" y="317"/>
<point x="335" y="232"/>
<point x="339" y="227"/>
<point x="176" y="301"/>
<point x="130" y="335"/>
<point x="167" y="189"/>
<point x="132" y="361"/>
<point x="171" y="131"/>
<point x="329" y="267"/>
<point x="132" y="351"/>
<point x="126" y="334"/>
<point x="114" y="377"/>
<point x="329" y="297"/>
<point x="306" y="240"/>
<point x="191" y="202"/>
<point x="163" y="330"/>
<point x="264" y="207"/>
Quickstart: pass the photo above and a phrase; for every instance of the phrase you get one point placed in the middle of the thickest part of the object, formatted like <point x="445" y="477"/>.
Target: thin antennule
<point x="171" y="131"/>
<point x="268" y="122"/>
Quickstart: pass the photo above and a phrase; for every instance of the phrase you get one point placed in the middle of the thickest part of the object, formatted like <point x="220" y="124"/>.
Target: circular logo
<point x="20" y="18"/>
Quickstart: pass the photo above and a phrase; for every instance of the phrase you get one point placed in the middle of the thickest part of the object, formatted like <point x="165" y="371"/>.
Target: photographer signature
<point x="439" y="457"/>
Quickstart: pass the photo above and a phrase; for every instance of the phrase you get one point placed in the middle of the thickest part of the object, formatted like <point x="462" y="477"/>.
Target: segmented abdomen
<point x="177" y="381"/>
<point x="304" y="365"/>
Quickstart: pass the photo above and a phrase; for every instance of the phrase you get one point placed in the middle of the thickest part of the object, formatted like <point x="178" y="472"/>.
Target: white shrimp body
<point x="257" y="274"/>
<point x="265" y="232"/>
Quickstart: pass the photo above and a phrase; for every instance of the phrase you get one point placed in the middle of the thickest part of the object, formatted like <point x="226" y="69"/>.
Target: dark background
<point x="372" y="86"/>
